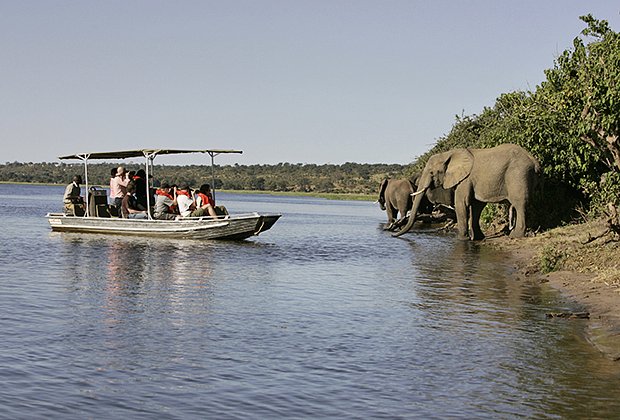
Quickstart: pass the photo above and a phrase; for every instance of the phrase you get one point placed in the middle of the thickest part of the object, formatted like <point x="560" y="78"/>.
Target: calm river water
<point x="324" y="316"/>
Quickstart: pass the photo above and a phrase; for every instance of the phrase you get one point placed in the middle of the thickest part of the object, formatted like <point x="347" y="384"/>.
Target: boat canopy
<point x="148" y="153"/>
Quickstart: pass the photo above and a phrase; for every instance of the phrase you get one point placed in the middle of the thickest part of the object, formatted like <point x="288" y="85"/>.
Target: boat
<point x="97" y="219"/>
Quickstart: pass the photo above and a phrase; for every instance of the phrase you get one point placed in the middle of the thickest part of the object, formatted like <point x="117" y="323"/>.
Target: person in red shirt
<point x="204" y="200"/>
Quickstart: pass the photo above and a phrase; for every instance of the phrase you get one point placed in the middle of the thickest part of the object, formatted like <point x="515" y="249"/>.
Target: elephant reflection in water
<point x="395" y="198"/>
<point x="467" y="277"/>
<point x="502" y="174"/>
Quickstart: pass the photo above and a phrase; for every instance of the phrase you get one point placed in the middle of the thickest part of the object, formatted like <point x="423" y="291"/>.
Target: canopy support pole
<point x="213" y="155"/>
<point x="84" y="158"/>
<point x="150" y="157"/>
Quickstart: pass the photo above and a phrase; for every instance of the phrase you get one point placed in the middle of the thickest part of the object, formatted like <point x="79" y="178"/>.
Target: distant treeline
<point x="348" y="178"/>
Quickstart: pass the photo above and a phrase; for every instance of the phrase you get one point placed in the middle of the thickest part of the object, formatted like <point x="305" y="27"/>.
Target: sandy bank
<point x="585" y="271"/>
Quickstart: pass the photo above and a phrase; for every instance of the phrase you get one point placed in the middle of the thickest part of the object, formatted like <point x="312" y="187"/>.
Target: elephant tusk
<point x="446" y="206"/>
<point x="417" y="193"/>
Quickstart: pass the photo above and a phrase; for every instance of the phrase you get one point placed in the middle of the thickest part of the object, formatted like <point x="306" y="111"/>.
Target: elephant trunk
<point x="419" y="195"/>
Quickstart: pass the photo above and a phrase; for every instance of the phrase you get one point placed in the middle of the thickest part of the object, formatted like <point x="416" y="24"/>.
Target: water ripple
<point x="324" y="316"/>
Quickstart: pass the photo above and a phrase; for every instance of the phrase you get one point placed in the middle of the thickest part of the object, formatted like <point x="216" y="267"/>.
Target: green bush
<point x="607" y="191"/>
<point x="550" y="259"/>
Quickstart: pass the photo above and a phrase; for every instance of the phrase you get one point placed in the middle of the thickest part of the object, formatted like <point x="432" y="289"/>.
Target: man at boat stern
<point x="73" y="201"/>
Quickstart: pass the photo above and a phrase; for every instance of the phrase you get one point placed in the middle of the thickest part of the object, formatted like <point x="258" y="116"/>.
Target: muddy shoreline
<point x="587" y="274"/>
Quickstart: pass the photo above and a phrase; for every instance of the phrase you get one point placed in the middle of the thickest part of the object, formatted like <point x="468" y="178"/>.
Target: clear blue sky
<point x="308" y="81"/>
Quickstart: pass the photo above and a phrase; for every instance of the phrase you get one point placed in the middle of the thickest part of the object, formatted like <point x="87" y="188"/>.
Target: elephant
<point x="395" y="196"/>
<point x="503" y="174"/>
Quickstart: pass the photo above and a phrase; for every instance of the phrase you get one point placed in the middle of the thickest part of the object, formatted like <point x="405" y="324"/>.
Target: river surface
<point x="323" y="316"/>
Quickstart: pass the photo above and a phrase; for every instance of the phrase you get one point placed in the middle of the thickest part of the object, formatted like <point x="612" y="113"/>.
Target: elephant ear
<point x="383" y="186"/>
<point x="413" y="180"/>
<point x="458" y="167"/>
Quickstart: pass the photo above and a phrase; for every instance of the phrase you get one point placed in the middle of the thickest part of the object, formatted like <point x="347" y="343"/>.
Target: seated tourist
<point x="187" y="207"/>
<point x="73" y="201"/>
<point x="130" y="208"/>
<point x="204" y="200"/>
<point x="165" y="203"/>
<point x="141" y="187"/>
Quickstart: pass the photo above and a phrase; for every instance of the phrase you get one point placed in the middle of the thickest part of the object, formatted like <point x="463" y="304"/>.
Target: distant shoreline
<point x="327" y="196"/>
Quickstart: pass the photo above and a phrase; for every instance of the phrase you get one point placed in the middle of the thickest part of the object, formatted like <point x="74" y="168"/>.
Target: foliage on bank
<point x="570" y="123"/>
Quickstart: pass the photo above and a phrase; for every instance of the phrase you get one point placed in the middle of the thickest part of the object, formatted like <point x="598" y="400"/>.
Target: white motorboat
<point x="229" y="226"/>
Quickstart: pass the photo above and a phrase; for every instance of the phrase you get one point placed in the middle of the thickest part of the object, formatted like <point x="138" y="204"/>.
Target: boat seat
<point x="113" y="211"/>
<point x="102" y="210"/>
<point x="98" y="202"/>
<point x="74" y="209"/>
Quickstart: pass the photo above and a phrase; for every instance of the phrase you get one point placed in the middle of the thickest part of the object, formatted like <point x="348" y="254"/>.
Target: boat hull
<point x="234" y="227"/>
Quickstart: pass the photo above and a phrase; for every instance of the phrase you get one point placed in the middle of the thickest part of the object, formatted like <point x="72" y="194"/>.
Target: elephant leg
<point x="391" y="214"/>
<point x="462" y="217"/>
<point x="519" y="230"/>
<point x="404" y="214"/>
<point x="476" y="211"/>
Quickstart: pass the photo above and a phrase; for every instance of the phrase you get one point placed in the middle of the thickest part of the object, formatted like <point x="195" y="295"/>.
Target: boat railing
<point x="194" y="219"/>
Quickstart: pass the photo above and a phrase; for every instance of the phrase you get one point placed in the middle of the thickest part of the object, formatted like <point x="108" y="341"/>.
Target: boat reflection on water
<point x="139" y="272"/>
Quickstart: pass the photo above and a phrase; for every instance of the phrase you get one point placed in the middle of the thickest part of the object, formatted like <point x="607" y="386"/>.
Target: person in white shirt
<point x="187" y="206"/>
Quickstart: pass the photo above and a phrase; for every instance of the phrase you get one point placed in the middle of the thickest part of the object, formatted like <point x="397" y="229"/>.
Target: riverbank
<point x="582" y="263"/>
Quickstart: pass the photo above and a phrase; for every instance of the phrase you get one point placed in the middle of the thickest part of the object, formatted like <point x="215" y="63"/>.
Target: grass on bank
<point x="571" y="248"/>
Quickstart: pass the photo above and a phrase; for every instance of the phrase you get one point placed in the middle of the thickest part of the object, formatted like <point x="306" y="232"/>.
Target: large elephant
<point x="502" y="174"/>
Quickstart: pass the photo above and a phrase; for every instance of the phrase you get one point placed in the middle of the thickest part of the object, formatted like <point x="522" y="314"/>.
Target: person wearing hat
<point x="118" y="187"/>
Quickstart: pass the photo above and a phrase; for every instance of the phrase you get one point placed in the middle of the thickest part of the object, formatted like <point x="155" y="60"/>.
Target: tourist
<point x="165" y="203"/>
<point x="204" y="200"/>
<point x="141" y="187"/>
<point x="118" y="187"/>
<point x="73" y="201"/>
<point x="187" y="206"/>
<point x="112" y="176"/>
<point x="130" y="208"/>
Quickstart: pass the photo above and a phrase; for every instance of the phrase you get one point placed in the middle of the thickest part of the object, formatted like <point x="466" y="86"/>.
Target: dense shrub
<point x="570" y="123"/>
